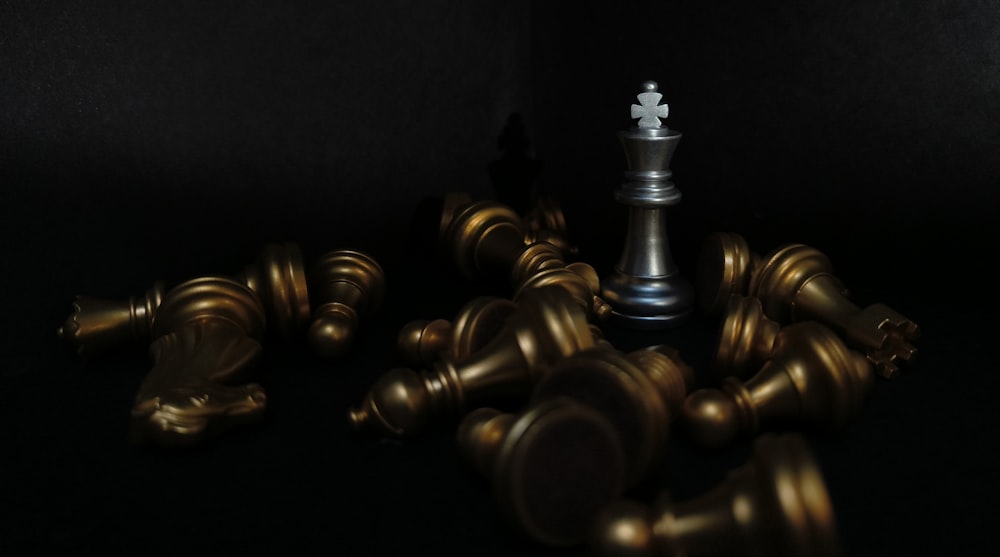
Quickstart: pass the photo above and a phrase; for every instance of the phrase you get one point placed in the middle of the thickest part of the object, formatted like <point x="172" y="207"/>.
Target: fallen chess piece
<point x="795" y="282"/>
<point x="423" y="342"/>
<point x="775" y="505"/>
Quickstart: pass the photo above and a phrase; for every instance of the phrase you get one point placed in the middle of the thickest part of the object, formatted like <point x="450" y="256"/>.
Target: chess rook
<point x="646" y="290"/>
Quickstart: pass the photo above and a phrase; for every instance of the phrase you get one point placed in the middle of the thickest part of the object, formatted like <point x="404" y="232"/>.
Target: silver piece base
<point x="648" y="303"/>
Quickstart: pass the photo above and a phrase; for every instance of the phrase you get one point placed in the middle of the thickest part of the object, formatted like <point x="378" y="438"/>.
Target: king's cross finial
<point x="649" y="111"/>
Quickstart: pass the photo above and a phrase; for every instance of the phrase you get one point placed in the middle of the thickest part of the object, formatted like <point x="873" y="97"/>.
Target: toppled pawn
<point x="423" y="342"/>
<point x="796" y="283"/>
<point x="347" y="288"/>
<point x="553" y="467"/>
<point x="485" y="240"/>
<point x="546" y="328"/>
<point x="639" y="393"/>
<point x="776" y="505"/>
<point x="277" y="276"/>
<point x="207" y="349"/>
<point x="811" y="380"/>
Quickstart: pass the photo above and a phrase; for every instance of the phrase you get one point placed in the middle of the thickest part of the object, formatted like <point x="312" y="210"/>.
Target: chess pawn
<point x="206" y="349"/>
<point x="545" y="222"/>
<point x="639" y="393"/>
<point x="485" y="239"/>
<point x="775" y="505"/>
<point x="422" y="342"/>
<point x="553" y="467"/>
<point x="724" y="267"/>
<point x="810" y="380"/>
<point x="746" y="338"/>
<point x="546" y="327"/>
<point x="795" y="282"/>
<point x="646" y="290"/>
<point x="277" y="276"/>
<point x="347" y="288"/>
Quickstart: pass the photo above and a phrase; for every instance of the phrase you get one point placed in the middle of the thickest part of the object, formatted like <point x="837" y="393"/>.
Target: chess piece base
<point x="649" y="303"/>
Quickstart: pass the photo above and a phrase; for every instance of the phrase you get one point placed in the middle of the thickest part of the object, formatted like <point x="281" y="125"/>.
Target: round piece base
<point x="648" y="303"/>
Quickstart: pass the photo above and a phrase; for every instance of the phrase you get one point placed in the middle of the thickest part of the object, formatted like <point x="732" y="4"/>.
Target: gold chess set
<point x="794" y="354"/>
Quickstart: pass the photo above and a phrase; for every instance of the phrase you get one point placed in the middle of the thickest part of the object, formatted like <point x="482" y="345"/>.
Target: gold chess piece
<point x="553" y="467"/>
<point x="746" y="338"/>
<point x="546" y="327"/>
<point x="811" y="379"/>
<point x="277" y="276"/>
<point x="347" y="287"/>
<point x="775" y="505"/>
<point x="207" y="333"/>
<point x="639" y="393"/>
<point x="545" y="222"/>
<point x="795" y="282"/>
<point x="422" y="342"/>
<point x="485" y="239"/>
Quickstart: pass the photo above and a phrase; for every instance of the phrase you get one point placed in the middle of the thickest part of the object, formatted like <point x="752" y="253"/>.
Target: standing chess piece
<point x="646" y="290"/>
<point x="776" y="505"/>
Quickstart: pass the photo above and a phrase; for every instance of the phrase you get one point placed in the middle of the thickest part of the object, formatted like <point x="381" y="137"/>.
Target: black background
<point x="170" y="140"/>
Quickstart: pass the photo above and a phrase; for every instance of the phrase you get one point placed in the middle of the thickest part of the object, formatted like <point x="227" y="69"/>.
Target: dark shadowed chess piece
<point x="514" y="174"/>
<point x="553" y="466"/>
<point x="205" y="352"/>
<point x="646" y="289"/>
<point x="746" y="338"/>
<point x="546" y="327"/>
<point x="277" y="276"/>
<point x="639" y="393"/>
<point x="347" y="287"/>
<point x="795" y="282"/>
<point x="775" y="505"/>
<point x="809" y="380"/>
<point x="422" y="342"/>
<point x="486" y="241"/>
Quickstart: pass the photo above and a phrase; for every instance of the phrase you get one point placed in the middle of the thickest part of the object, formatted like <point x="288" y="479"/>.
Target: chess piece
<point x="639" y="393"/>
<point x="646" y="290"/>
<point x="545" y="222"/>
<point x="795" y="282"/>
<point x="775" y="505"/>
<point x="485" y="240"/>
<point x="421" y="342"/>
<point x="553" y="467"/>
<point x="277" y="276"/>
<point x="347" y="287"/>
<point x="546" y="327"/>
<point x="746" y="338"/>
<point x="206" y="349"/>
<point x="810" y="380"/>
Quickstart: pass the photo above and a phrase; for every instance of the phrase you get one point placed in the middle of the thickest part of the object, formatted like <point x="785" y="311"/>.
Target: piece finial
<point x="649" y="111"/>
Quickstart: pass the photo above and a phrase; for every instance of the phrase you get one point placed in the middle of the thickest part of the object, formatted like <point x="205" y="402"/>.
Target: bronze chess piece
<point x="639" y="393"/>
<point x="206" y="349"/>
<point x="646" y="289"/>
<point x="347" y="287"/>
<point x="553" y="467"/>
<point x="422" y="342"/>
<point x="277" y="276"/>
<point x="776" y="505"/>
<point x="485" y="239"/>
<point x="546" y="327"/>
<point x="809" y="379"/>
<point x="795" y="282"/>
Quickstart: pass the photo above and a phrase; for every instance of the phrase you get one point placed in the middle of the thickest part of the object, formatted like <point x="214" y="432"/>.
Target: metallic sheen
<point x="348" y="287"/>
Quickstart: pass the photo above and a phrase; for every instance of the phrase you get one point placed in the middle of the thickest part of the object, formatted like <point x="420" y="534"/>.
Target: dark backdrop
<point x="170" y="140"/>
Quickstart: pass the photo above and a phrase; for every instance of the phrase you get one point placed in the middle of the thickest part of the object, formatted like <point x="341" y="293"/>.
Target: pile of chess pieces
<point x="591" y="422"/>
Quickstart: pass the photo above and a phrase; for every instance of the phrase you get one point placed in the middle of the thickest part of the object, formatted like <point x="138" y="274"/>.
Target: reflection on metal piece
<point x="794" y="283"/>
<point x="206" y="350"/>
<point x="746" y="338"/>
<point x="545" y="222"/>
<point x="775" y="505"/>
<point x="421" y="342"/>
<point x="811" y="379"/>
<point x="347" y="286"/>
<point x="553" y="467"/>
<point x="646" y="290"/>
<point x="485" y="239"/>
<point x="277" y="277"/>
<point x="546" y="327"/>
<point x="639" y="393"/>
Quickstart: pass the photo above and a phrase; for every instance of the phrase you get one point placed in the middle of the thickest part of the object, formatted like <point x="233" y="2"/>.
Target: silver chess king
<point x="646" y="290"/>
